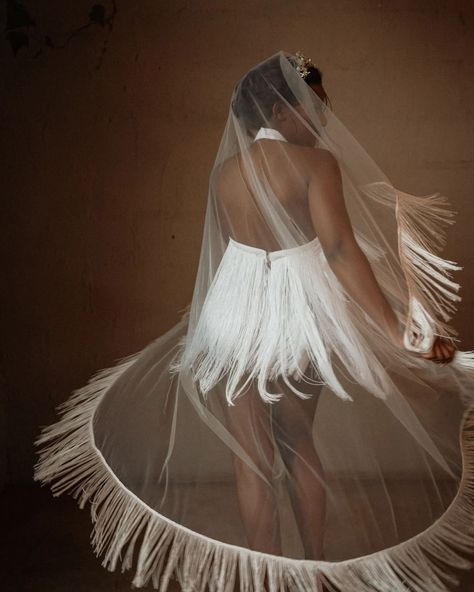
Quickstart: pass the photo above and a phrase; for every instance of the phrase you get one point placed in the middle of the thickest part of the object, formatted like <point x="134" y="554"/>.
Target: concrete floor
<point x="47" y="547"/>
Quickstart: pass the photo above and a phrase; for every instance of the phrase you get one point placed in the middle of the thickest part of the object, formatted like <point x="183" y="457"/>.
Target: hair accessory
<point x="304" y="64"/>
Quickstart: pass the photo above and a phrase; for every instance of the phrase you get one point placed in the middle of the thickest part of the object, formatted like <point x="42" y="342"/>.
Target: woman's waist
<point x="271" y="255"/>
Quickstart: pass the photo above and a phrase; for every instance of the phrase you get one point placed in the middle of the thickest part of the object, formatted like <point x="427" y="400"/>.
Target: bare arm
<point x="344" y="255"/>
<point x="347" y="260"/>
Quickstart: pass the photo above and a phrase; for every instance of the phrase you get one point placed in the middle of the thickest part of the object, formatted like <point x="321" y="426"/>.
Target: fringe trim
<point x="265" y="315"/>
<point x="240" y="333"/>
<point x="421" y="235"/>
<point x="129" y="533"/>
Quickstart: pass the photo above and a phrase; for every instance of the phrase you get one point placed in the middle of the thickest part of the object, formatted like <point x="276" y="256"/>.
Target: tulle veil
<point x="275" y="438"/>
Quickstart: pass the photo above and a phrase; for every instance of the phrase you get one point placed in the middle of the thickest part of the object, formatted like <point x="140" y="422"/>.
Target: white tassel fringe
<point x="269" y="314"/>
<point x="421" y="224"/>
<point x="70" y="462"/>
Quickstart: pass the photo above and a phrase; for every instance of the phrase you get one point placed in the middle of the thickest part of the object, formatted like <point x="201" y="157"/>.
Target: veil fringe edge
<point x="126" y="531"/>
<point x="432" y="293"/>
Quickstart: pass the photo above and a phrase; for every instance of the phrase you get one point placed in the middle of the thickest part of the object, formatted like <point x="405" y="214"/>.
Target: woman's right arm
<point x="345" y="257"/>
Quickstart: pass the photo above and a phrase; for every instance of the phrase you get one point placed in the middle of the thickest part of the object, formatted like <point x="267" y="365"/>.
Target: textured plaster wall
<point x="105" y="169"/>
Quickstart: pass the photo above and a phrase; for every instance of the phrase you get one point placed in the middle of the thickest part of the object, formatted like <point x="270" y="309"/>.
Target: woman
<point x="292" y="429"/>
<point x="308" y="181"/>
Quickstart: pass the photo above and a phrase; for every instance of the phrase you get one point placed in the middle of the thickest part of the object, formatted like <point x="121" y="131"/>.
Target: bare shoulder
<point x="317" y="161"/>
<point x="321" y="160"/>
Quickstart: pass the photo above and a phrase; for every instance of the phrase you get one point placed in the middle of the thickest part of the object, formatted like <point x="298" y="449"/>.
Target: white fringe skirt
<point x="270" y="314"/>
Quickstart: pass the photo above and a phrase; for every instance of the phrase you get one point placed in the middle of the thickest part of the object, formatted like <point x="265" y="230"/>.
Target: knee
<point x="259" y="465"/>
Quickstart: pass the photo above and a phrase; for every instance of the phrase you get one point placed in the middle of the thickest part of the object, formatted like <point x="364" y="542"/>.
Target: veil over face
<point x="276" y="438"/>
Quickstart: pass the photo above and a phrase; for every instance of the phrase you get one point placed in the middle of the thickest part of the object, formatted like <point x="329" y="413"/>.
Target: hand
<point x="442" y="352"/>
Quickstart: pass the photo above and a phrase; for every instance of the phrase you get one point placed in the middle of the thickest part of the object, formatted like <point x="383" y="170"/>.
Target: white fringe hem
<point x="128" y="532"/>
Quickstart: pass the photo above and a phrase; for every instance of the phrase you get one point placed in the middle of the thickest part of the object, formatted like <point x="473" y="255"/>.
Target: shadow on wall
<point x="22" y="32"/>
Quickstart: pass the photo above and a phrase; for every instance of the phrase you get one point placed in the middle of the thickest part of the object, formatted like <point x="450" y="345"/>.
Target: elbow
<point x="332" y="252"/>
<point x="342" y="250"/>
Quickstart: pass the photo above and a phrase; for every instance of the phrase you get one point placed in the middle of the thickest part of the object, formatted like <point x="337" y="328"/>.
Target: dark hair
<point x="263" y="86"/>
<point x="314" y="76"/>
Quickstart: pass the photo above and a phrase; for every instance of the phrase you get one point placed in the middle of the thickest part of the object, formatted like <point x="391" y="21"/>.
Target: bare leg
<point x="249" y="421"/>
<point x="293" y="420"/>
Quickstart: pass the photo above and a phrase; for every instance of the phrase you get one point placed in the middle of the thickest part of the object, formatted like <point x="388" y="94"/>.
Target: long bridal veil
<point x="275" y="438"/>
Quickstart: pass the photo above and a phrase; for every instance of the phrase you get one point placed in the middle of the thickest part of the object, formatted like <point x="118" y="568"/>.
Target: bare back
<point x="285" y="169"/>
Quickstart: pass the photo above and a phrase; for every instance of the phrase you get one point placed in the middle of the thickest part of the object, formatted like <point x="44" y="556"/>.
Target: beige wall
<point x="105" y="170"/>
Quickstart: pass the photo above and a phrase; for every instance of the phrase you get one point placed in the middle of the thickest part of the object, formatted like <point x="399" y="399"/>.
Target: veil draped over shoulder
<point x="277" y="437"/>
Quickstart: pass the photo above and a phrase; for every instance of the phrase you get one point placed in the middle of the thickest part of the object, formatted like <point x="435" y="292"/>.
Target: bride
<point x="307" y="180"/>
<point x="299" y="426"/>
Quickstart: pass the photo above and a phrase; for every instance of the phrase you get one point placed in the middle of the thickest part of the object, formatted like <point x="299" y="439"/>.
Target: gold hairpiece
<point x="304" y="64"/>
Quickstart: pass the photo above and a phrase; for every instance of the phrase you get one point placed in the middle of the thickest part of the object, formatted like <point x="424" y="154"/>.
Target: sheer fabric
<point x="278" y="437"/>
